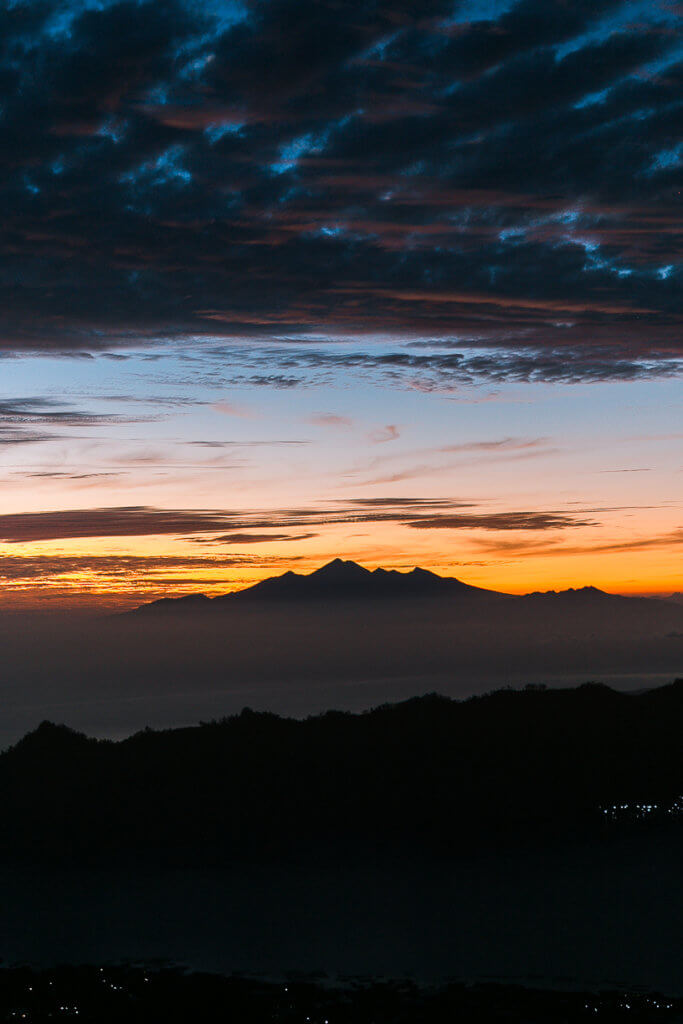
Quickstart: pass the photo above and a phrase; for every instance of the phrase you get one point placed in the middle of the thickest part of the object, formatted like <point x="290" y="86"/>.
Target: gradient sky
<point x="291" y="279"/>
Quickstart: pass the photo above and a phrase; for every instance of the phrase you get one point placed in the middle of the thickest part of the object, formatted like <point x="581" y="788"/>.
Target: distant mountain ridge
<point x="341" y="580"/>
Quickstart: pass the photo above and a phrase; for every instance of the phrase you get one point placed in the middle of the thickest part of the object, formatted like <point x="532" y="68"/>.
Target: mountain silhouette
<point x="346" y="581"/>
<point x="338" y="580"/>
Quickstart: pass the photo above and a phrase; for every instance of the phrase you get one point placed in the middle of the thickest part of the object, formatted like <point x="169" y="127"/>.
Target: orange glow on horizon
<point x="100" y="573"/>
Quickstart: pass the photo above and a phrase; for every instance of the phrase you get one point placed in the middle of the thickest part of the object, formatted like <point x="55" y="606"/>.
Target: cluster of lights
<point x="642" y="811"/>
<point x="628" y="1003"/>
<point x="609" y="1005"/>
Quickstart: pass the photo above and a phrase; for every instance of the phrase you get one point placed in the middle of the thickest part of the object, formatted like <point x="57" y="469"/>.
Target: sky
<point x="286" y="280"/>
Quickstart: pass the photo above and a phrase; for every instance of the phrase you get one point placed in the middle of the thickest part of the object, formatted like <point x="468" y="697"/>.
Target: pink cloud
<point x="388" y="433"/>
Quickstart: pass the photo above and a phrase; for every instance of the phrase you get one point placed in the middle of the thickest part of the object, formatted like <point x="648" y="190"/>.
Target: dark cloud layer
<point x="37" y="567"/>
<point x="141" y="521"/>
<point x="570" y="363"/>
<point x="174" y="168"/>
<point x="556" y="546"/>
<point x="19" y="418"/>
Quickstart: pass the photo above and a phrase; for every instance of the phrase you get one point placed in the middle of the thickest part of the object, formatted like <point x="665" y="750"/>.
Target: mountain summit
<point x="338" y="572"/>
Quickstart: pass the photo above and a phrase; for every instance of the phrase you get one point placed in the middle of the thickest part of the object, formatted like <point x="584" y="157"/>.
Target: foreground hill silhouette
<point x="427" y="774"/>
<point x="140" y="995"/>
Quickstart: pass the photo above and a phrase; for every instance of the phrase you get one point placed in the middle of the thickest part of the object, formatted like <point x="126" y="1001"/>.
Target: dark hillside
<point x="430" y="771"/>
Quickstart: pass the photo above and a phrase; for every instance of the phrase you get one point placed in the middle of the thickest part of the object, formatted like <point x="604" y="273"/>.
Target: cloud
<point x="502" y="521"/>
<point x="400" y="475"/>
<point x="460" y="366"/>
<point x="67" y="475"/>
<point x="141" y="521"/>
<point x="503" y="449"/>
<point x="388" y="433"/>
<point x="19" y="437"/>
<point x="556" y="546"/>
<point x="37" y="579"/>
<point x="19" y="417"/>
<point x="175" y="170"/>
<point x="23" y="567"/>
<point x="664" y="540"/>
<point x="501" y="444"/>
<point x="47" y="410"/>
<point x="328" y="419"/>
<point x="271" y="380"/>
<point x="231" y="409"/>
<point x="259" y="538"/>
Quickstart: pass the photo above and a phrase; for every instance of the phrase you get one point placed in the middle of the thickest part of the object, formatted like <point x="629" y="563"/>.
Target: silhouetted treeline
<point x="138" y="995"/>
<point x="429" y="773"/>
